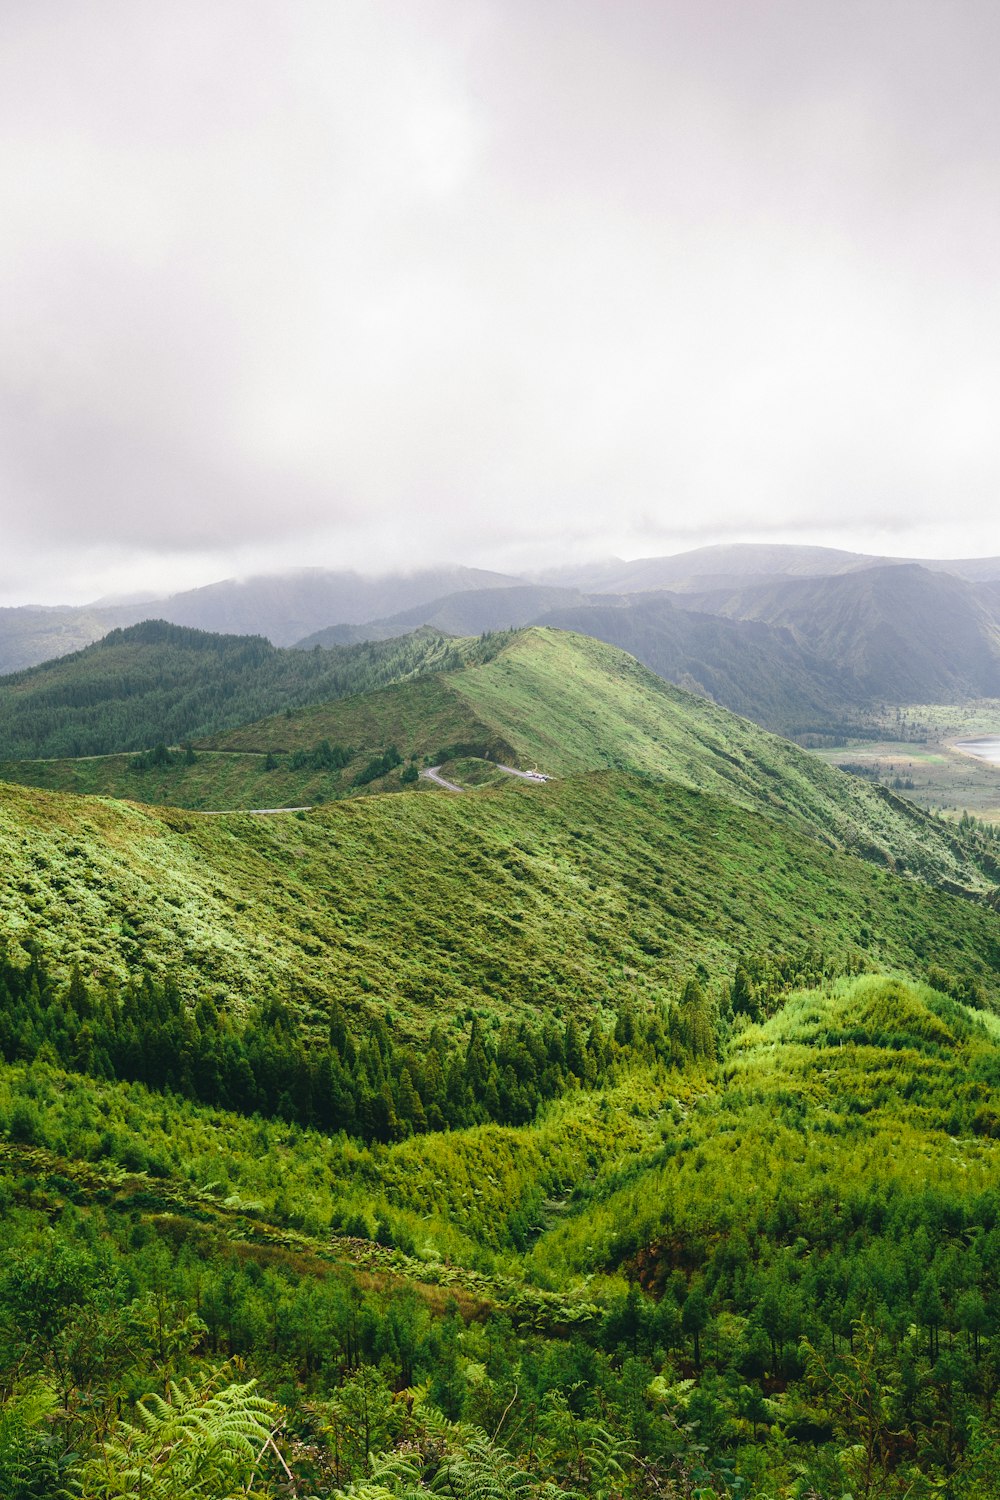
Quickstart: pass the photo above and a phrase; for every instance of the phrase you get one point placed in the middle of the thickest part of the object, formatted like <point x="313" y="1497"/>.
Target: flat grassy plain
<point x="942" y="776"/>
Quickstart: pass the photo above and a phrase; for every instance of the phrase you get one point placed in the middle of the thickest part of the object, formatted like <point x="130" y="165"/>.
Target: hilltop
<point x="720" y="835"/>
<point x="604" y="1115"/>
<point x="572" y="894"/>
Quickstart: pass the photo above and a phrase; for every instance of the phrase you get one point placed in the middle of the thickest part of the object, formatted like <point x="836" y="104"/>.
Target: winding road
<point x="429" y="773"/>
<point x="432" y="773"/>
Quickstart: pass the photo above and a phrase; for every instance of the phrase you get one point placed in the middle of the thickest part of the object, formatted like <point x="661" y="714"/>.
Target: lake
<point x="984" y="749"/>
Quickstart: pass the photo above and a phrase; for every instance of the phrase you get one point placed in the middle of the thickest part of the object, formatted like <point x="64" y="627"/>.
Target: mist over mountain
<point x="281" y="606"/>
<point x="737" y="563"/>
<point x="467" y="613"/>
<point x="789" y="636"/>
<point x="789" y="649"/>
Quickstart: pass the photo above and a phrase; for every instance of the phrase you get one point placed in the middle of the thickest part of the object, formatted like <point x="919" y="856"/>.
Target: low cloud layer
<point x="369" y="283"/>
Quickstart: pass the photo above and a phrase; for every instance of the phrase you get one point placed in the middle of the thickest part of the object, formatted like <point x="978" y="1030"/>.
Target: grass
<point x="565" y="704"/>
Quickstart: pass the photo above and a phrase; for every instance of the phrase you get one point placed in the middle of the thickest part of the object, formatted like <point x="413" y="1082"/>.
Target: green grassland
<point x="744" y="1241"/>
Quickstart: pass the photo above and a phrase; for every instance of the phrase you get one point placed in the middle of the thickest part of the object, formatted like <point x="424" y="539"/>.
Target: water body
<point x="982" y="749"/>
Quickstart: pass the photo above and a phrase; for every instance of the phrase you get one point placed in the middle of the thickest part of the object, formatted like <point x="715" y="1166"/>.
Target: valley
<point x="923" y="751"/>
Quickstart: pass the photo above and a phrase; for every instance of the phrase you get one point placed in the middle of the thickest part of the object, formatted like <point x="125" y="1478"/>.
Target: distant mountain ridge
<point x="283" y="607"/>
<point x="793" y="637"/>
<point x="902" y="633"/>
<point x="787" y="651"/>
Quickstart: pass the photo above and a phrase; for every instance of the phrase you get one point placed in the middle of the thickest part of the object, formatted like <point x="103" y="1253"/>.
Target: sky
<point x="385" y="283"/>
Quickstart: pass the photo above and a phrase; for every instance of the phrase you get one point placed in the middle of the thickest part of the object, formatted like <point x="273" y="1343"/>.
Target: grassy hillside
<point x="809" y="1232"/>
<point x="571" y="894"/>
<point x="298" y="758"/>
<point x="695" y="1229"/>
<point x="568" y="703"/>
<point x="564" y="704"/>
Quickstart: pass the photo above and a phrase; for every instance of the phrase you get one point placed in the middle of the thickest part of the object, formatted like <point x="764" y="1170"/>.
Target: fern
<point x="200" y="1444"/>
<point x="24" y="1443"/>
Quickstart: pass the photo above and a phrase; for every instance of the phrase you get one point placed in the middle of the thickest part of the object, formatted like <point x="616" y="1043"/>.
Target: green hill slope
<point x="569" y="703"/>
<point x="564" y="704"/>
<point x="865" y="1091"/>
<point x="300" y="757"/>
<point x="572" y="894"/>
<point x="687" y="1221"/>
<point x="158" y="683"/>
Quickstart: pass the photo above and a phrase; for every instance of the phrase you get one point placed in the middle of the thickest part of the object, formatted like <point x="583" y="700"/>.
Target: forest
<point x="752" y="1296"/>
<point x="154" y="683"/>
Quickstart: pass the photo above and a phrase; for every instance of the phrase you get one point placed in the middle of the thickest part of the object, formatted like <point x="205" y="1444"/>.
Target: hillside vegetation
<point x="574" y="894"/>
<point x="811" y="1252"/>
<point x="622" y="1135"/>
<point x="536" y="698"/>
<point x="156" y="683"/>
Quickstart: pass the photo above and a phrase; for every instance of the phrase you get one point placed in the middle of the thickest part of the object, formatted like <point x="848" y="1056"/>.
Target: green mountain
<point x="283" y="607"/>
<point x="542" y="699"/>
<point x="156" y="683"/>
<point x="231" y="901"/>
<point x="568" y="894"/>
<point x="794" y="649"/>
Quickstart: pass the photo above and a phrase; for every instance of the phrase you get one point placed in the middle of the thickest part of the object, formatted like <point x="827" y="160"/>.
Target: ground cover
<point x="513" y="898"/>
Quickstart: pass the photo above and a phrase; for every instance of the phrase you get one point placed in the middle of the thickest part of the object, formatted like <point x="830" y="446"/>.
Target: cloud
<point x="366" y="282"/>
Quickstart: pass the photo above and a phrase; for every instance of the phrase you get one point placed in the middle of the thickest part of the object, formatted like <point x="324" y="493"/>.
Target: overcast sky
<point x="365" y="283"/>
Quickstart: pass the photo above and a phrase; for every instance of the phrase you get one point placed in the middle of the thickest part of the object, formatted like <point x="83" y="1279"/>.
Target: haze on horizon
<point x="356" y="283"/>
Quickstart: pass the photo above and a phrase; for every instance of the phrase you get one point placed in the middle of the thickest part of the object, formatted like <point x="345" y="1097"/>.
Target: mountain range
<point x="794" y="637"/>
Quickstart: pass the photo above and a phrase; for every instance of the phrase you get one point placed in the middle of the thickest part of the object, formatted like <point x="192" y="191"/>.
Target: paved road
<point x="254" y="812"/>
<point x="524" y="775"/>
<point x="430" y="773"/>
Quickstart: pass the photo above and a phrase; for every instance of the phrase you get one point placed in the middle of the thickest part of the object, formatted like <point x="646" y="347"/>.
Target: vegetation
<point x="156" y="683"/>
<point x="916" y="745"/>
<point x="810" y="1258"/>
<point x="623" y="1135"/>
<point x="508" y="900"/>
<point x="565" y="704"/>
